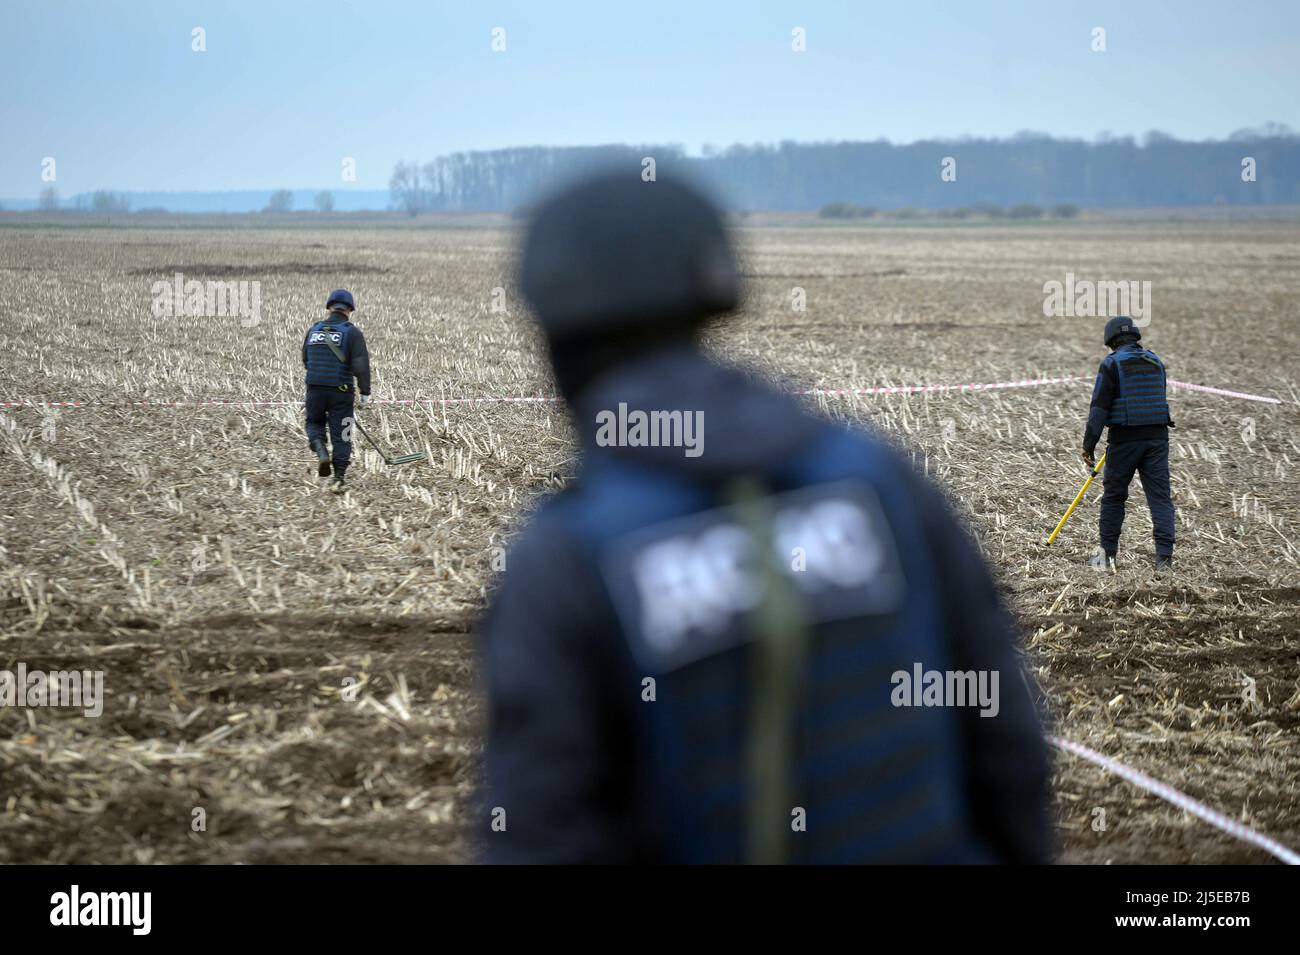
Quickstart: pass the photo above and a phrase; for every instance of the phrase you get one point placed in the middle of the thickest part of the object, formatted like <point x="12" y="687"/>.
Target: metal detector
<point x="388" y="459"/>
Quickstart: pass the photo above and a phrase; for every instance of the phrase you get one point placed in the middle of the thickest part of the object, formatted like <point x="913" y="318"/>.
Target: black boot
<point x="1164" y="563"/>
<point x="322" y="457"/>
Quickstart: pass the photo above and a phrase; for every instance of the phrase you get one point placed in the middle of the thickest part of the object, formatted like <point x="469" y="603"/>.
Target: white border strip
<point x="1180" y="799"/>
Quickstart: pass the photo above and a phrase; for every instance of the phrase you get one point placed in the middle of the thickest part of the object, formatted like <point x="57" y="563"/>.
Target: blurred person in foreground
<point x="727" y="640"/>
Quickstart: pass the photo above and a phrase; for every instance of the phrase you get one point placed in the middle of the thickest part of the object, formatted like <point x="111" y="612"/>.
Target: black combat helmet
<point x="1121" y="325"/>
<point x="343" y="298"/>
<point x="613" y="255"/>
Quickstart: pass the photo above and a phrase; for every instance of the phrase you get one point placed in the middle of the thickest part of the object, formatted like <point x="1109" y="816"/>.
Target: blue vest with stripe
<point x="1141" y="395"/>
<point x="323" y="367"/>
<point x="878" y="782"/>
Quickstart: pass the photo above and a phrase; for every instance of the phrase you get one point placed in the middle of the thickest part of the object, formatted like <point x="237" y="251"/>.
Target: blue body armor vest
<point x="1141" y="399"/>
<point x="878" y="781"/>
<point x="323" y="367"/>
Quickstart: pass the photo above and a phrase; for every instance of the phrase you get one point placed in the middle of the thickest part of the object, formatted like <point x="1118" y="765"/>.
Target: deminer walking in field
<point x="334" y="353"/>
<point x="1129" y="399"/>
<point x="744" y="633"/>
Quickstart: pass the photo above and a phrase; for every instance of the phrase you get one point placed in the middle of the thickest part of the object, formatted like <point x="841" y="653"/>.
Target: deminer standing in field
<point x="334" y="353"/>
<point x="1129" y="399"/>
<point x="744" y="632"/>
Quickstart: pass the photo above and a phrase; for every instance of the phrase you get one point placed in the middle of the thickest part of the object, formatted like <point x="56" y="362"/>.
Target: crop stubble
<point x="301" y="666"/>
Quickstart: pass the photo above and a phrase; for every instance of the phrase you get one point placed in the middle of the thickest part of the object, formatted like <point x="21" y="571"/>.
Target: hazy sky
<point x="113" y="91"/>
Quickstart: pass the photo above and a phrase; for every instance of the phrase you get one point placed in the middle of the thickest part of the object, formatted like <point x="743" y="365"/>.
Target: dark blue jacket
<point x="324" y="370"/>
<point x="586" y="770"/>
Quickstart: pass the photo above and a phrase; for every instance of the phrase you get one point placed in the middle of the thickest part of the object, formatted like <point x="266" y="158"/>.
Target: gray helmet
<point x="613" y="254"/>
<point x="1121" y="325"/>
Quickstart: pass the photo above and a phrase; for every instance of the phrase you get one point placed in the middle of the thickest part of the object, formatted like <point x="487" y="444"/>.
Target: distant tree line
<point x="1029" y="170"/>
<point x="109" y="202"/>
<point x="106" y="202"/>
<point x="505" y="179"/>
<point x="101" y="201"/>
<point x="1021" y="210"/>
<point x="282" y="201"/>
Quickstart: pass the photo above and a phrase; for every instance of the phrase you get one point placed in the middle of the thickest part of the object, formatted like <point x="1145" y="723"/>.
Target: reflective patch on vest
<point x="683" y="588"/>
<point x="327" y="364"/>
<point x="320" y="337"/>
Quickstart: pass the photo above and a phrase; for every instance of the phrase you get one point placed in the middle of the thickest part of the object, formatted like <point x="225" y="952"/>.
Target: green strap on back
<point x="778" y="663"/>
<point x="338" y="352"/>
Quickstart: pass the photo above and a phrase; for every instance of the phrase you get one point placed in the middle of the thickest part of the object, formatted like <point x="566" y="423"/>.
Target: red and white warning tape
<point x="1025" y="383"/>
<point x="1136" y="777"/>
<point x="545" y="399"/>
<point x="1180" y="799"/>
<point x="281" y="403"/>
<point x="933" y="389"/>
<point x="1227" y="394"/>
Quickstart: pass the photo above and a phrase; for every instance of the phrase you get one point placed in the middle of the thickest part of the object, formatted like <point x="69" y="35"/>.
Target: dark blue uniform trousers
<point x="331" y="406"/>
<point x="1150" y="459"/>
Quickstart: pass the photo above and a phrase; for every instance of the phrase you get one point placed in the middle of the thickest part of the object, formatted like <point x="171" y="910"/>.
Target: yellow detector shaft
<point x="1077" y="498"/>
